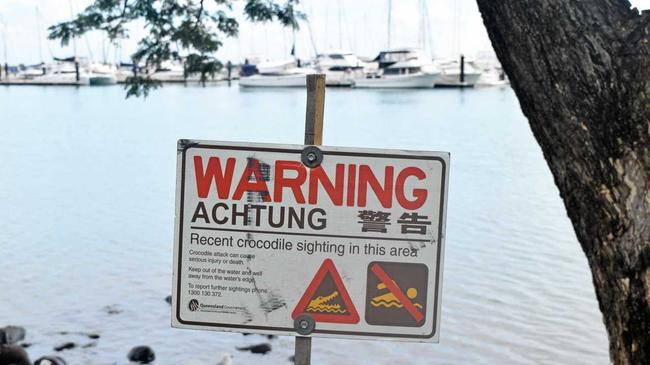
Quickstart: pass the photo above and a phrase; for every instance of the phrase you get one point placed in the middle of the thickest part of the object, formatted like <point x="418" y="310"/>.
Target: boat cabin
<point x="386" y="59"/>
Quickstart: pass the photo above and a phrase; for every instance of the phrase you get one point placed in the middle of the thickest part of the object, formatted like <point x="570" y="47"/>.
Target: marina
<point x="398" y="68"/>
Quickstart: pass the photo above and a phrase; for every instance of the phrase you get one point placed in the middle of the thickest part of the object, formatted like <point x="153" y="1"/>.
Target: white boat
<point x="101" y="74"/>
<point x="402" y="68"/>
<point x="340" y="67"/>
<point x="276" y="74"/>
<point x="171" y="72"/>
<point x="450" y="74"/>
<point x="63" y="73"/>
<point x="29" y="72"/>
<point x="124" y="71"/>
<point x="492" y="73"/>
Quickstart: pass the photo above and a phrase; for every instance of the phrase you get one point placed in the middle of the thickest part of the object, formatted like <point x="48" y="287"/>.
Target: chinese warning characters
<point x="378" y="221"/>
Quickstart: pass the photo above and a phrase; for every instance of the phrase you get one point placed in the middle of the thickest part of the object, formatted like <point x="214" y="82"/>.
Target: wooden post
<point x="462" y="69"/>
<point x="229" y="68"/>
<point x="303" y="351"/>
<point x="313" y="136"/>
<point x="315" y="109"/>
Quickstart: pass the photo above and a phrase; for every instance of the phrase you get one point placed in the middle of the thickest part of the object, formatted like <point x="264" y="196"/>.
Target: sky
<point x="443" y="28"/>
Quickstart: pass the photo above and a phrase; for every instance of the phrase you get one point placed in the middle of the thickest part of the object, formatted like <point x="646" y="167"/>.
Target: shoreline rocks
<point x="65" y="346"/>
<point x="13" y="355"/>
<point x="141" y="355"/>
<point x="261" y="348"/>
<point x="10" y="335"/>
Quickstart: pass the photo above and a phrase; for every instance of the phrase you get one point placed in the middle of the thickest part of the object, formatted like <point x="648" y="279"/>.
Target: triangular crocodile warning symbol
<point x="326" y="299"/>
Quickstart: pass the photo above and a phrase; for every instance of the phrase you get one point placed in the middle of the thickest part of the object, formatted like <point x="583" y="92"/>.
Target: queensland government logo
<point x="193" y="305"/>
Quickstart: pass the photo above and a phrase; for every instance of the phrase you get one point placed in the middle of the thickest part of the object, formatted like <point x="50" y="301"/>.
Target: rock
<point x="261" y="348"/>
<point x="141" y="355"/>
<point x="227" y="360"/>
<point x="292" y="358"/>
<point x="65" y="346"/>
<point x="112" y="309"/>
<point x="9" y="335"/>
<point x="50" y="360"/>
<point x="168" y="299"/>
<point x="13" y="355"/>
<point x="25" y="345"/>
<point x="271" y="337"/>
<point x="92" y="336"/>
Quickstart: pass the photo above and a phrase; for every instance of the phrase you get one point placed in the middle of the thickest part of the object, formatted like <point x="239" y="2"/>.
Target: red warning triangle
<point x="326" y="299"/>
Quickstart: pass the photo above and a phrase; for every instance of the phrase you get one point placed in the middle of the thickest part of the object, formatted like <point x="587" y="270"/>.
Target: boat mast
<point x="340" y="29"/>
<point x="74" y="39"/>
<point x="456" y="29"/>
<point x="427" y="25"/>
<point x="4" y="43"/>
<point x="389" y="23"/>
<point x="38" y="32"/>
<point x="311" y="34"/>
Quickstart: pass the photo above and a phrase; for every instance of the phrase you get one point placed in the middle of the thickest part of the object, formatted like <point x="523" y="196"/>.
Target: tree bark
<point x="581" y="72"/>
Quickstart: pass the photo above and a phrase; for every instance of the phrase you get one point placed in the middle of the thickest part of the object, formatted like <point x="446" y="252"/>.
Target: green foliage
<point x="189" y="31"/>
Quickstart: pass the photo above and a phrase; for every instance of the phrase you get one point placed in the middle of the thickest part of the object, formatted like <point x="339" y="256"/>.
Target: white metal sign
<point x="295" y="240"/>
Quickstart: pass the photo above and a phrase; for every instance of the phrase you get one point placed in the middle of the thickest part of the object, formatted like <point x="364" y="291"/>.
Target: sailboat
<point x="101" y="74"/>
<point x="64" y="71"/>
<point x="288" y="73"/>
<point x="456" y="74"/>
<point x="492" y="72"/>
<point x="399" y="68"/>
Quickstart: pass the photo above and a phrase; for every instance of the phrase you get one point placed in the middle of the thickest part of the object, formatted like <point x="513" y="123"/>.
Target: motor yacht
<point x="274" y="74"/>
<point x="400" y="68"/>
<point x="340" y="67"/>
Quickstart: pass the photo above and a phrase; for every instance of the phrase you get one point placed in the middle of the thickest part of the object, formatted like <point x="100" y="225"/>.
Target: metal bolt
<point x="311" y="157"/>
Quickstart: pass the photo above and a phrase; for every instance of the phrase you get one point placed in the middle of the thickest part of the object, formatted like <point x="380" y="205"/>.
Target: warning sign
<point x="326" y="298"/>
<point x="349" y="242"/>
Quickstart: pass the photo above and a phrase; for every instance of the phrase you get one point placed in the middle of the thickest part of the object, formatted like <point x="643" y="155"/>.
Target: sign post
<point x="309" y="240"/>
<point x="313" y="136"/>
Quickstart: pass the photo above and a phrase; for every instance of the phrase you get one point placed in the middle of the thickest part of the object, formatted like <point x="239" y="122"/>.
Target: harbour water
<point x="86" y="225"/>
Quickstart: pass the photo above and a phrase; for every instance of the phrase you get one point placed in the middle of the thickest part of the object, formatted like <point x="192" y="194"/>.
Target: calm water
<point x="87" y="197"/>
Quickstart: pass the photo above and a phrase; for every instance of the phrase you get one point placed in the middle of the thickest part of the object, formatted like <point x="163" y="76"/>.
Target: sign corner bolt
<point x="304" y="324"/>
<point x="311" y="156"/>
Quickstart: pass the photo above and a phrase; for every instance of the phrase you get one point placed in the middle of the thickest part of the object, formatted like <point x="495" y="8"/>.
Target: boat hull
<point x="341" y="78"/>
<point x="298" y="80"/>
<point x="453" y="79"/>
<point x="102" y="80"/>
<point x="61" y="79"/>
<point x="423" y="80"/>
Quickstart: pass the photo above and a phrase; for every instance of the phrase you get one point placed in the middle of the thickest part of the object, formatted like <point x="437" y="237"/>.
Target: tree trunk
<point x="581" y="71"/>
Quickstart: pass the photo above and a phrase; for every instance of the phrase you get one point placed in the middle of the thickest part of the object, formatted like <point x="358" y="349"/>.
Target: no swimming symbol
<point x="396" y="294"/>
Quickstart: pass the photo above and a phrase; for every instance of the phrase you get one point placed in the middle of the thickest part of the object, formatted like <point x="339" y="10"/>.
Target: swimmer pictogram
<point x="389" y="299"/>
<point x="326" y="299"/>
<point x="396" y="294"/>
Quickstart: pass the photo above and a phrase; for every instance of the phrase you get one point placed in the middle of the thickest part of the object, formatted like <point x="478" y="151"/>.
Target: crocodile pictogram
<point x="320" y="304"/>
<point x="326" y="300"/>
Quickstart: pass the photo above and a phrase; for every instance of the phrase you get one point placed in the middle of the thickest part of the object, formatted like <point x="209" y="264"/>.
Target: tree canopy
<point x="189" y="31"/>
